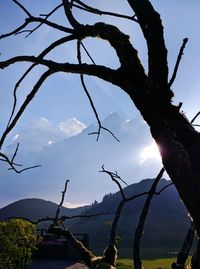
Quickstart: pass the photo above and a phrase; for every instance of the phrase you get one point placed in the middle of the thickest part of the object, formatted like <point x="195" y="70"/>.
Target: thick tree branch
<point x="86" y="254"/>
<point x="74" y="23"/>
<point x="97" y="70"/>
<point x="152" y="29"/>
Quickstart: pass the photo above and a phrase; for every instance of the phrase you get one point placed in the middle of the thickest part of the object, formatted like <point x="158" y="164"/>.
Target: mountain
<point x="35" y="209"/>
<point x="165" y="227"/>
<point x="78" y="158"/>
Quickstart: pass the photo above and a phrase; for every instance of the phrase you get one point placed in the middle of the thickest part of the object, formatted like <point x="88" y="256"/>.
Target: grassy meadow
<point x="148" y="264"/>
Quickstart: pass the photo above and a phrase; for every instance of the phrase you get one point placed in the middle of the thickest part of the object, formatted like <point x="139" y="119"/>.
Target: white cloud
<point x="74" y="205"/>
<point x="42" y="132"/>
<point x="15" y="137"/>
<point x="41" y="123"/>
<point x="72" y="127"/>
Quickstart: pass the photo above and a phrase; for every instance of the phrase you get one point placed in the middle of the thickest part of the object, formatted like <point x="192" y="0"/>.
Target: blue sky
<point x="62" y="98"/>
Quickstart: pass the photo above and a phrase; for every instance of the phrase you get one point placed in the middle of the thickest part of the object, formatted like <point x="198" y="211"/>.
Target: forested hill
<point x="165" y="227"/>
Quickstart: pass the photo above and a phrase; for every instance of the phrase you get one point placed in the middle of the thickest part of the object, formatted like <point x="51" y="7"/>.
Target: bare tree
<point x="178" y="141"/>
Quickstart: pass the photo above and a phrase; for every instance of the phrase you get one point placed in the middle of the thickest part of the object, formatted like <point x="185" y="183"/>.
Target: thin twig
<point x="49" y="23"/>
<point x="28" y="99"/>
<point x="22" y="7"/>
<point x="24" y="169"/>
<point x="100" y="127"/>
<point x="90" y="9"/>
<point x="51" y="12"/>
<point x="13" y="165"/>
<point x="185" y="40"/>
<point x="195" y="117"/>
<point x="61" y="203"/>
<point x="15" y="31"/>
<point x="115" y="177"/>
<point x="46" y="17"/>
<point x="165" y="187"/>
<point x="87" y="52"/>
<point x="15" y="153"/>
<point x="41" y="55"/>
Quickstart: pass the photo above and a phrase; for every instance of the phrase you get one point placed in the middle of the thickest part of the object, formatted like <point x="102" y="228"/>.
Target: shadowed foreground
<point x="56" y="264"/>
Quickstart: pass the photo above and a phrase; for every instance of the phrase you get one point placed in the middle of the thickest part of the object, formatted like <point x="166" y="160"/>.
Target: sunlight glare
<point x="150" y="152"/>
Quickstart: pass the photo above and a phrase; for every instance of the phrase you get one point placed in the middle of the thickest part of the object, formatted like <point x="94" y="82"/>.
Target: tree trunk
<point x="184" y="252"/>
<point x="195" y="262"/>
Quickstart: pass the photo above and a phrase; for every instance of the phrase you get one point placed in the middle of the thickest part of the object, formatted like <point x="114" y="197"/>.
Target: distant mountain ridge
<point x="34" y="209"/>
<point x="165" y="228"/>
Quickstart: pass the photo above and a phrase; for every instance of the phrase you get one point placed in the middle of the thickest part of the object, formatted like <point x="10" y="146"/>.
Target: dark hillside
<point x="165" y="228"/>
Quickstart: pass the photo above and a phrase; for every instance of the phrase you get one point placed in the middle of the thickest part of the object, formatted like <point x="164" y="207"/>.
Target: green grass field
<point x="148" y="264"/>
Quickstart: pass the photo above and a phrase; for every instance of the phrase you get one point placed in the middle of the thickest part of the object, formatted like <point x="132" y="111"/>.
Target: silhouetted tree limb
<point x="61" y="203"/>
<point x="62" y="218"/>
<point x="68" y="12"/>
<point x="28" y="99"/>
<point x="101" y="12"/>
<point x="185" y="40"/>
<point x="116" y="178"/>
<point x="142" y="219"/>
<point x="95" y="70"/>
<point x="100" y="127"/>
<point x="86" y="254"/>
<point x="42" y="55"/>
<point x="109" y="255"/>
<point x="12" y="164"/>
<point x="22" y="8"/>
<point x="185" y="249"/>
<point x="195" y="117"/>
